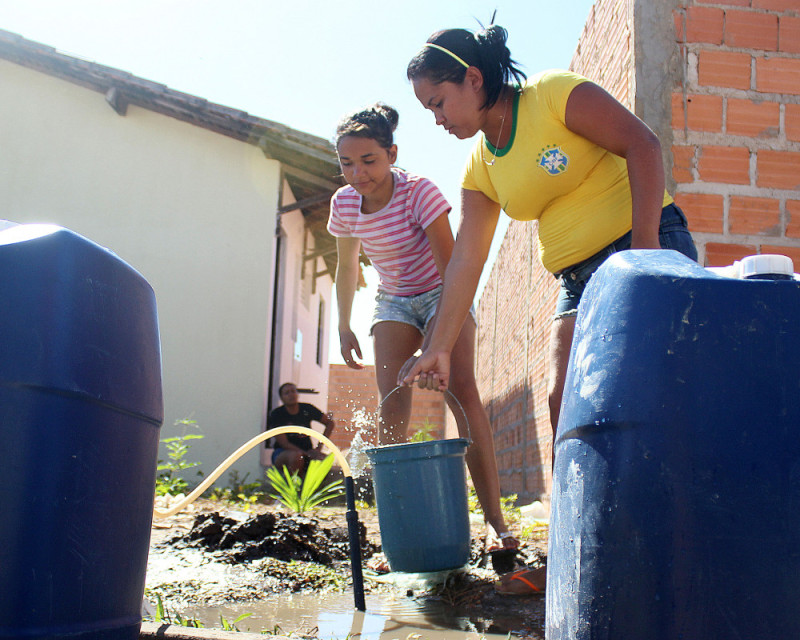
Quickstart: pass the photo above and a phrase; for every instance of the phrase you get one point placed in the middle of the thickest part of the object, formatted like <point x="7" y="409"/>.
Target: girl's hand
<point x="349" y="344"/>
<point x="431" y="371"/>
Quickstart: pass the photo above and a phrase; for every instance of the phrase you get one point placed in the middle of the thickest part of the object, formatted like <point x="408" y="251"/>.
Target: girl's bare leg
<point x="394" y="343"/>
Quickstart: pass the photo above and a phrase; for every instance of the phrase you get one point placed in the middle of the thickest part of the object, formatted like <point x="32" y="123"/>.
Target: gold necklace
<point x="499" y="135"/>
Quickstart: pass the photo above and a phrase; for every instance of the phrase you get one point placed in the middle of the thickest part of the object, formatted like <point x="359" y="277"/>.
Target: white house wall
<point x="191" y="210"/>
<point x="299" y="315"/>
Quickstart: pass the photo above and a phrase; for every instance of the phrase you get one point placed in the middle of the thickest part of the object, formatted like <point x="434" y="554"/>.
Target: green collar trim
<point x="499" y="153"/>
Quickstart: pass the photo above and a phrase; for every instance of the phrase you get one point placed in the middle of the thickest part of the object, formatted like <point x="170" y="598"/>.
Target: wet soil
<point x="215" y="554"/>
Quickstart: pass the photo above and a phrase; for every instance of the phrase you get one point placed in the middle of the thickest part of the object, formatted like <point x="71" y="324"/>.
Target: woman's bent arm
<point x="597" y="116"/>
<point x="478" y="223"/>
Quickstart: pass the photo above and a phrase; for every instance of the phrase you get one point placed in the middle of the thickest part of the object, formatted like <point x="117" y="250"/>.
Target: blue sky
<point x="304" y="63"/>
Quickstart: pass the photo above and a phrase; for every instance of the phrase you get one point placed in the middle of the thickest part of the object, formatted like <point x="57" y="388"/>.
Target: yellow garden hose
<point x="352" y="514"/>
<point x="158" y="513"/>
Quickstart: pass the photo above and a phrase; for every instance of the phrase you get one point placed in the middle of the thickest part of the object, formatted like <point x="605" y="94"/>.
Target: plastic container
<point x="80" y="411"/>
<point x="421" y="497"/>
<point x="676" y="498"/>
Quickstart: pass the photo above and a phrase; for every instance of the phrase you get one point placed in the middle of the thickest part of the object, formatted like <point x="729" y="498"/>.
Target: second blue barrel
<point x="80" y="411"/>
<point x="676" y="499"/>
<point x="421" y="496"/>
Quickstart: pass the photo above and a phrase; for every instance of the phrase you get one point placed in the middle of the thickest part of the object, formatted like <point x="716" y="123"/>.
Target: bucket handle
<point x="446" y="391"/>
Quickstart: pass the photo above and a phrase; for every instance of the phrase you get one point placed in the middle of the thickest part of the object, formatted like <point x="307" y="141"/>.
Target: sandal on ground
<point x="524" y="582"/>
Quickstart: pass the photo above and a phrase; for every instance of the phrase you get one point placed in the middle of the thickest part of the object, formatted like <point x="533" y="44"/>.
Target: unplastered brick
<point x="705" y="211"/>
<point x="704" y="113"/>
<point x="789" y="34"/>
<point x="722" y="254"/>
<point x="776" y="5"/>
<point x="793" y="221"/>
<point x="748" y="216"/>
<point x="778" y="169"/>
<point x="792" y="121"/>
<point x="729" y="165"/>
<point x="683" y="160"/>
<point x="754" y="119"/>
<point x="735" y="3"/>
<point x="724" y="69"/>
<point x="778" y="74"/>
<point x="704" y="24"/>
<point x="751" y="30"/>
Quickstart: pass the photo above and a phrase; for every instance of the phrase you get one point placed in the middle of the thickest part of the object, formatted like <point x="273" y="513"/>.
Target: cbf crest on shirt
<point x="554" y="161"/>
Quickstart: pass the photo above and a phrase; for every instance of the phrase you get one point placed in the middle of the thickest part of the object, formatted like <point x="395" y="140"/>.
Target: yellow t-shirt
<point x="578" y="191"/>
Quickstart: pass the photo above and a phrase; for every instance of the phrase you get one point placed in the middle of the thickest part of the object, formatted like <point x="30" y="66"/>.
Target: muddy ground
<point x="217" y="554"/>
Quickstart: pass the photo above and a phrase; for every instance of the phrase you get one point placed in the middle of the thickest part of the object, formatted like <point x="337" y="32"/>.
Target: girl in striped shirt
<point x="401" y="221"/>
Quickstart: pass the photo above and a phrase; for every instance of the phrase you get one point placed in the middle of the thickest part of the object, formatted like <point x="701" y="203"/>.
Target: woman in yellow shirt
<point x="556" y="148"/>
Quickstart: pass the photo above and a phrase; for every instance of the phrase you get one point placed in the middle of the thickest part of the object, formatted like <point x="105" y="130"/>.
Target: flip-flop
<point x="502" y="588"/>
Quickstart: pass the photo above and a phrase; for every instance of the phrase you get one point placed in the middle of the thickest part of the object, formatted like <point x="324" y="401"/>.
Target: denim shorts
<point x="416" y="310"/>
<point x="673" y="233"/>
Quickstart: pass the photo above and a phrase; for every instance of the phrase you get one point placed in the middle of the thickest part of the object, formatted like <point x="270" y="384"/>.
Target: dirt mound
<point x="274" y="535"/>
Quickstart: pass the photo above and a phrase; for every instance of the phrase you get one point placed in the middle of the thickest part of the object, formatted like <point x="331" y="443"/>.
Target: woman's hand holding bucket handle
<point x="431" y="370"/>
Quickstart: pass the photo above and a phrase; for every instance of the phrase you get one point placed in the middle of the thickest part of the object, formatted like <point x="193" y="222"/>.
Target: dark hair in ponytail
<point x="485" y="50"/>
<point x="377" y="122"/>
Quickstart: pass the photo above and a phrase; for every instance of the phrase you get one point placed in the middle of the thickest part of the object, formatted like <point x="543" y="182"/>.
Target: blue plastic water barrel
<point x="421" y="497"/>
<point x="676" y="498"/>
<point x="80" y="411"/>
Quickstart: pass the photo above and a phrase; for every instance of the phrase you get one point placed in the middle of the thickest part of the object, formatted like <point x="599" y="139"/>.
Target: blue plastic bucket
<point x="421" y="496"/>
<point x="676" y="500"/>
<point x="80" y="411"/>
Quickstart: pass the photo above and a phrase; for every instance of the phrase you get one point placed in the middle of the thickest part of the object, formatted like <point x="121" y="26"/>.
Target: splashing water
<point x="362" y="425"/>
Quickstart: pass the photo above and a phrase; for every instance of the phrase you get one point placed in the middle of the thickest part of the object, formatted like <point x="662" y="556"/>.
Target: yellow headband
<point x="448" y="52"/>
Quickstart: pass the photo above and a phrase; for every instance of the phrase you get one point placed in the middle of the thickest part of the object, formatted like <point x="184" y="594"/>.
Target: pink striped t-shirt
<point x="394" y="238"/>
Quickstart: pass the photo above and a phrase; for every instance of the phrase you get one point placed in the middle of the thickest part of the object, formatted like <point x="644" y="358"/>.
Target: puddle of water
<point x="332" y="617"/>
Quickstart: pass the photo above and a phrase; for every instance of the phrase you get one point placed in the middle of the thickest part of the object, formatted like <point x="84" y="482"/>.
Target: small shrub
<point x="162" y="616"/>
<point x="239" y="491"/>
<point x="508" y="506"/>
<point x="424" y="432"/>
<point x="299" y="494"/>
<point x="168" y="480"/>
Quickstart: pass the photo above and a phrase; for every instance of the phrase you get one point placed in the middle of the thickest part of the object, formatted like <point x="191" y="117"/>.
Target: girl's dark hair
<point x="377" y="122"/>
<point x="485" y="49"/>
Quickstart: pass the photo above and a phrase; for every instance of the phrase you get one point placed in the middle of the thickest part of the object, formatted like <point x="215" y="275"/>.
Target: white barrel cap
<point x="766" y="264"/>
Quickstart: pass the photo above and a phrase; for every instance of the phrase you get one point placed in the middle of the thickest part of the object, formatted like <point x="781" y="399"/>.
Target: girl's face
<point x="456" y="107"/>
<point x="366" y="166"/>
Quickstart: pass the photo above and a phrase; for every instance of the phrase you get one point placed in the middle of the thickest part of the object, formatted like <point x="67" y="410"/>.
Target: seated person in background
<point x="294" y="450"/>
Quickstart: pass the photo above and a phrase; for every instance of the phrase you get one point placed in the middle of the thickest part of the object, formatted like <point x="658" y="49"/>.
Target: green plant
<point x="508" y="506"/>
<point x="423" y="432"/>
<point x="168" y="480"/>
<point x="231" y="626"/>
<point x="239" y="491"/>
<point x="302" y="494"/>
<point x="163" y="616"/>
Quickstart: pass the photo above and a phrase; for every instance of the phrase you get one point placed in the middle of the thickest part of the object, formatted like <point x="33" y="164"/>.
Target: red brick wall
<point x="353" y="400"/>
<point x="604" y="52"/>
<point x="736" y="126"/>
<point x="732" y="83"/>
